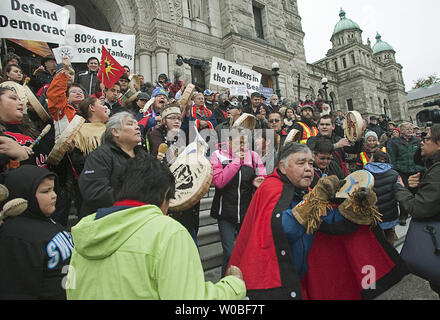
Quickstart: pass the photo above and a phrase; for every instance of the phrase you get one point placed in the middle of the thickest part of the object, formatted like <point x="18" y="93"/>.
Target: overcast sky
<point x="410" y="27"/>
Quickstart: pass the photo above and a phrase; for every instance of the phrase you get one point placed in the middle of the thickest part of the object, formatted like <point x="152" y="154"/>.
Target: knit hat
<point x="158" y="91"/>
<point x="143" y="96"/>
<point x="371" y="134"/>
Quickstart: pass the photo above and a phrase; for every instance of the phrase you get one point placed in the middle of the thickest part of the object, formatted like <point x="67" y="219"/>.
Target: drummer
<point x="17" y="136"/>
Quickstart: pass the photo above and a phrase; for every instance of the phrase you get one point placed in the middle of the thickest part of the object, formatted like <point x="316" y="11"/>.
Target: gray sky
<point x="410" y="27"/>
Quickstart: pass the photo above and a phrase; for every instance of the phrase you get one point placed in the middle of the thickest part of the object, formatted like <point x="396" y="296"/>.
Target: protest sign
<point x="33" y="20"/>
<point x="82" y="43"/>
<point x="228" y="74"/>
<point x="238" y="91"/>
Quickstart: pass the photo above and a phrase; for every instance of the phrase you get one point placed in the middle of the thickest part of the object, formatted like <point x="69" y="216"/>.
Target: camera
<point x="429" y="116"/>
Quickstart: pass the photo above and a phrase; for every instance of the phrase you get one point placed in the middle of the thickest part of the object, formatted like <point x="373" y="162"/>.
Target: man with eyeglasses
<point x="275" y="124"/>
<point x="323" y="165"/>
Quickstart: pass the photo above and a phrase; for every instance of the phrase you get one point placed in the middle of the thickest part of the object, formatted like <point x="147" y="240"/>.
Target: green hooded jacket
<point x="139" y="253"/>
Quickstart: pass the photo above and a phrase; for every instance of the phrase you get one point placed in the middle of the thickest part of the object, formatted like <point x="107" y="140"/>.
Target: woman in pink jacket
<point x="237" y="172"/>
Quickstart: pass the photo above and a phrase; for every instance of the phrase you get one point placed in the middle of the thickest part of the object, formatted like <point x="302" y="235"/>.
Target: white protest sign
<point x="238" y="91"/>
<point x="228" y="74"/>
<point x="82" y="43"/>
<point x="36" y="20"/>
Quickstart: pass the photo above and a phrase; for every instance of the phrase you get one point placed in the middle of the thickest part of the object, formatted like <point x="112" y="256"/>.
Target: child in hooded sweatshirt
<point x="385" y="183"/>
<point x="34" y="249"/>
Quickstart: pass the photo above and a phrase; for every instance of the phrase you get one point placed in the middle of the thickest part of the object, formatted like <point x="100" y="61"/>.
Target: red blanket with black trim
<point x="342" y="267"/>
<point x="254" y="251"/>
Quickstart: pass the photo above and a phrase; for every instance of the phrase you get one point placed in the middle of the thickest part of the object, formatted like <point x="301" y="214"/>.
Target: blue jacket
<point x="300" y="242"/>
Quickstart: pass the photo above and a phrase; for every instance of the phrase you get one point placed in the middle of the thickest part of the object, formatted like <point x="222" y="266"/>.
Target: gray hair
<point x="116" y="121"/>
<point x="290" y="149"/>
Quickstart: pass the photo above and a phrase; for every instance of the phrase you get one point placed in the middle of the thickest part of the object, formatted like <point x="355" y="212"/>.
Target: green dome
<point x="345" y="24"/>
<point x="381" y="46"/>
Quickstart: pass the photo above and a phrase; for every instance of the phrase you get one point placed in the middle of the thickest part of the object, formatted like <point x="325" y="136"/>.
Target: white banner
<point x="228" y="74"/>
<point x="36" y="20"/>
<point x="82" y="43"/>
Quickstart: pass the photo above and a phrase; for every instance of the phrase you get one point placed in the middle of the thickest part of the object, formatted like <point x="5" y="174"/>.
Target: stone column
<point x="162" y="61"/>
<point x="145" y="65"/>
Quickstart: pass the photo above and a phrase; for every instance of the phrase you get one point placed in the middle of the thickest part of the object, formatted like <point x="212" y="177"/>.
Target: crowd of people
<point x="275" y="197"/>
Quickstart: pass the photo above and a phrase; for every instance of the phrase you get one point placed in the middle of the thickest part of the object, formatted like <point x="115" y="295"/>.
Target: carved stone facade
<point x="371" y="83"/>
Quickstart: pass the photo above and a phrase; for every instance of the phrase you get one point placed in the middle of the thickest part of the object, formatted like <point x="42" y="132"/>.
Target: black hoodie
<point x="33" y="248"/>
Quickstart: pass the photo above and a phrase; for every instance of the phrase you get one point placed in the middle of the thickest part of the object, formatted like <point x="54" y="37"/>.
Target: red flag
<point x="110" y="71"/>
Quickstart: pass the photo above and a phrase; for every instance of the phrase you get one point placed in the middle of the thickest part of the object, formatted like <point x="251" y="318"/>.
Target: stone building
<point x="253" y="33"/>
<point x="418" y="97"/>
<point x="361" y="77"/>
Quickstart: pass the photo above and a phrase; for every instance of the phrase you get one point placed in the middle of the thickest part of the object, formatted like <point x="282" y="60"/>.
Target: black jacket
<point x="425" y="203"/>
<point x="99" y="176"/>
<point x="88" y="80"/>
<point x="38" y="81"/>
<point x="34" y="250"/>
<point x="116" y="107"/>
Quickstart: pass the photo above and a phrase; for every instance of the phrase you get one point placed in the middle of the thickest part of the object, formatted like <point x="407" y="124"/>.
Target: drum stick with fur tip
<point x="161" y="153"/>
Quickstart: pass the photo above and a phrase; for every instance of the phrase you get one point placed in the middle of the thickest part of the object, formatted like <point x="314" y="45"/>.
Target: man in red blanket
<point x="283" y="255"/>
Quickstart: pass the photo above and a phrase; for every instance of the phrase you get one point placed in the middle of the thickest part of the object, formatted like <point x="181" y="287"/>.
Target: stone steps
<point x="208" y="237"/>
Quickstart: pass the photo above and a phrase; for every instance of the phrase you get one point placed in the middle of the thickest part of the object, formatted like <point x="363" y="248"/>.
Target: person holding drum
<point x="237" y="172"/>
<point x="17" y="135"/>
<point x="121" y="141"/>
<point x="283" y="256"/>
<point x="169" y="133"/>
<point x="133" y="251"/>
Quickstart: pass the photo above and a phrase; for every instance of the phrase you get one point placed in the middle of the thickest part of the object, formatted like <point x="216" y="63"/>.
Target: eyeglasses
<point x="274" y="120"/>
<point x="174" y="118"/>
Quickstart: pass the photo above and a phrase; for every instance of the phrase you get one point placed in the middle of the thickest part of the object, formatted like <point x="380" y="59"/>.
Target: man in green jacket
<point x="135" y="251"/>
<point x="402" y="151"/>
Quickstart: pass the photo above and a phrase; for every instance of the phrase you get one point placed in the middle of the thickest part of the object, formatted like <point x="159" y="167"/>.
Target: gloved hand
<point x="327" y="187"/>
<point x="360" y="207"/>
<point x="314" y="206"/>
